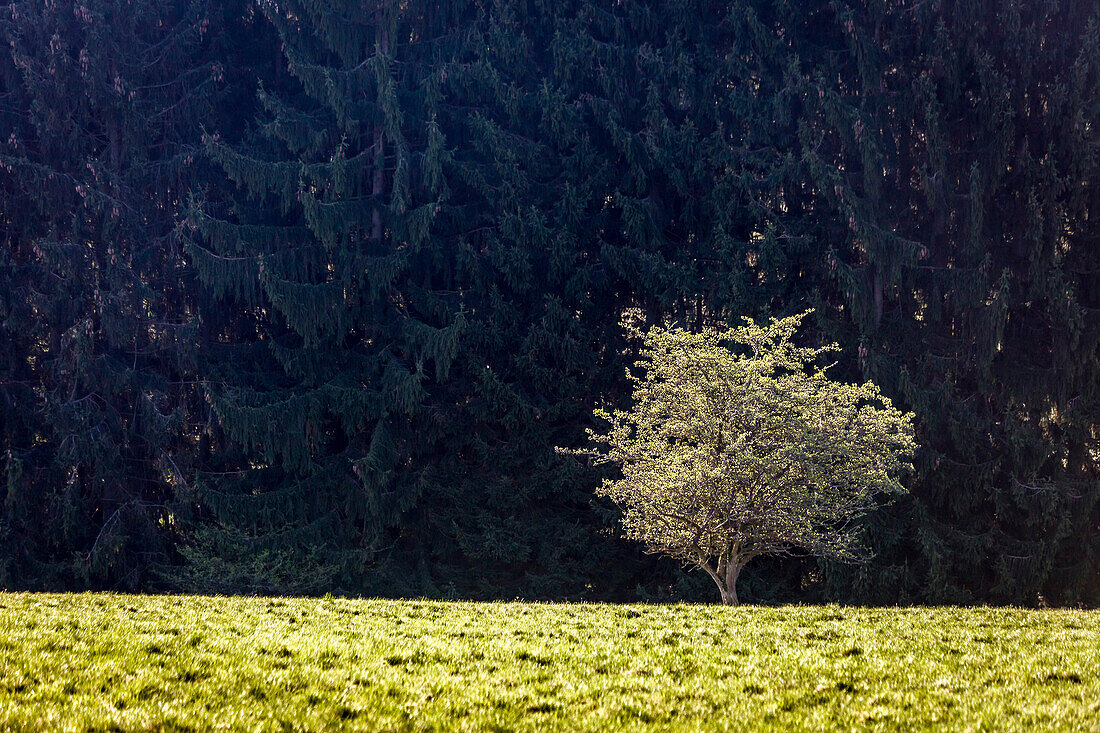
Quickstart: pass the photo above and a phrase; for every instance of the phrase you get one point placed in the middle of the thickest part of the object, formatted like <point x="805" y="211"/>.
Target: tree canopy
<point x="735" y="447"/>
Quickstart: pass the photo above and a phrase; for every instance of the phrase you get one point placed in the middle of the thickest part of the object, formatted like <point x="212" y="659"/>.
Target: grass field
<point x="139" y="662"/>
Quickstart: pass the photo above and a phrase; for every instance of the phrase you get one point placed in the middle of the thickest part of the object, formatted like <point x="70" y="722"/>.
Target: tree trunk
<point x="729" y="591"/>
<point x="878" y="297"/>
<point x="382" y="39"/>
<point x="725" y="577"/>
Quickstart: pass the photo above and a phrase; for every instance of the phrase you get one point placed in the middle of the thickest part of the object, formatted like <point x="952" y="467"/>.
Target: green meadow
<point x="116" y="662"/>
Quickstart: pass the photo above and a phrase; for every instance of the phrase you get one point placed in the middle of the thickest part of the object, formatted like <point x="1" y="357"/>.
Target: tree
<point x="391" y="324"/>
<point x="953" y="146"/>
<point x="101" y="107"/>
<point x="730" y="455"/>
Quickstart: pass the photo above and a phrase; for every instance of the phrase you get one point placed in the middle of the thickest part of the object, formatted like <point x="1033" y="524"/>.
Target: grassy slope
<point x="191" y="662"/>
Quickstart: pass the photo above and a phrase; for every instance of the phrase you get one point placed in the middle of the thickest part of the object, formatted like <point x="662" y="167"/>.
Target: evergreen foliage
<point x="958" y="149"/>
<point x="95" y="412"/>
<point x="299" y="296"/>
<point x="402" y="350"/>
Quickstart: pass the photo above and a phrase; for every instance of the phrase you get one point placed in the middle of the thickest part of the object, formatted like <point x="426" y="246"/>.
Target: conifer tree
<point x="393" y="344"/>
<point x="955" y="145"/>
<point x="698" y="208"/>
<point x="100" y="124"/>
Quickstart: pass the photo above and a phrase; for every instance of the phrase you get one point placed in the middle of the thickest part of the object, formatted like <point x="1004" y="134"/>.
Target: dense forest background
<point x="299" y="296"/>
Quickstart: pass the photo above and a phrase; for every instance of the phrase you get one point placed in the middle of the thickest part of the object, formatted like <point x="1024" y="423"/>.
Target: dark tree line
<point x="300" y="296"/>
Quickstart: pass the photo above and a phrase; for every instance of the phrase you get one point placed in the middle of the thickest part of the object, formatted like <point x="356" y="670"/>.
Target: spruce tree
<point x="391" y="347"/>
<point x="101" y="109"/>
<point x="697" y="204"/>
<point x="956" y="144"/>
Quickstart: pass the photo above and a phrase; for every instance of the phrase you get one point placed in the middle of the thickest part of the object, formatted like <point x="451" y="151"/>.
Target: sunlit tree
<point x="729" y="453"/>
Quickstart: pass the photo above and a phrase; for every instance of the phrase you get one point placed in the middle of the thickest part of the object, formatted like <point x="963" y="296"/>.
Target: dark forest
<point x="300" y="296"/>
